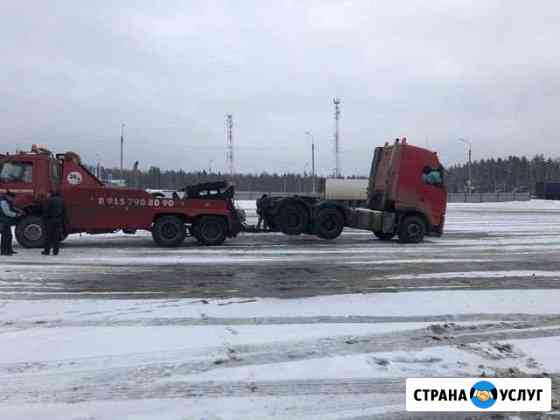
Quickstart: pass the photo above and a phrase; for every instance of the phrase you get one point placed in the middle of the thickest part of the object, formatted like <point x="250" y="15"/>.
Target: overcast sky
<point x="433" y="71"/>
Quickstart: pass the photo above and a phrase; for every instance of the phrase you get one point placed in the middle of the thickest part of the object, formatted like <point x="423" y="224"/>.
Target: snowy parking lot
<point x="274" y="327"/>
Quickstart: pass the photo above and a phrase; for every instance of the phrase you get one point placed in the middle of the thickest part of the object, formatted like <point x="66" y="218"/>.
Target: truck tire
<point x="329" y="223"/>
<point x="30" y="232"/>
<point x="292" y="219"/>
<point x="384" y="236"/>
<point x="412" y="230"/>
<point x="210" y="230"/>
<point x="169" y="231"/>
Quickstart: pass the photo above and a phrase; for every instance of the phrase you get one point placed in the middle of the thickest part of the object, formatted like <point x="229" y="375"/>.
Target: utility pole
<point x="313" y="178"/>
<point x="229" y="126"/>
<point x="469" y="145"/>
<point x="98" y="166"/>
<point x="336" y="102"/>
<point x="122" y="150"/>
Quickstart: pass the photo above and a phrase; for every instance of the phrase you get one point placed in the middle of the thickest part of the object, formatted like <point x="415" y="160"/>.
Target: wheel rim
<point x="169" y="231"/>
<point x="33" y="232"/>
<point x="293" y="219"/>
<point x="414" y="230"/>
<point x="211" y="231"/>
<point x="329" y="223"/>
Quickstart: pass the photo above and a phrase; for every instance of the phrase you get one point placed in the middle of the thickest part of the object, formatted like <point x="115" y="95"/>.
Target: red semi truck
<point x="402" y="200"/>
<point x="206" y="210"/>
<point x="399" y="202"/>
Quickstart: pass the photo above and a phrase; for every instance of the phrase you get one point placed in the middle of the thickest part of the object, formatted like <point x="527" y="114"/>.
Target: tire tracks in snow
<point x="350" y="319"/>
<point x="139" y="375"/>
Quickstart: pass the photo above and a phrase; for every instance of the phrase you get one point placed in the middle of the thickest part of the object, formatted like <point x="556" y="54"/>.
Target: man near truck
<point x="54" y="213"/>
<point x="8" y="218"/>
<point x="262" y="207"/>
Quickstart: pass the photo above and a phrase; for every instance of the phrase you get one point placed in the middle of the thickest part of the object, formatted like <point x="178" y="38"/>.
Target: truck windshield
<point x="16" y="172"/>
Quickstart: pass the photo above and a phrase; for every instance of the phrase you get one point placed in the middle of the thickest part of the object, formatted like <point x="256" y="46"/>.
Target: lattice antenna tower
<point x="230" y="161"/>
<point x="336" y="102"/>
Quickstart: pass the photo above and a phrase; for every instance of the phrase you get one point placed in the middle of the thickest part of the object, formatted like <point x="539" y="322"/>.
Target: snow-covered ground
<point x="271" y="327"/>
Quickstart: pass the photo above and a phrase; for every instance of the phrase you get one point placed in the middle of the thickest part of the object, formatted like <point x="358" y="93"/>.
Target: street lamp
<point x="312" y="160"/>
<point x="469" y="145"/>
<point x="122" y="147"/>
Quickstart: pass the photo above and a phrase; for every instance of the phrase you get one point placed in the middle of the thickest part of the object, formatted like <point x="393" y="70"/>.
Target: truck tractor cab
<point x="408" y="181"/>
<point x="406" y="197"/>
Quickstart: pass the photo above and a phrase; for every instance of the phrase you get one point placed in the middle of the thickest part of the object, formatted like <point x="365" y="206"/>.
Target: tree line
<point x="488" y="175"/>
<point x="504" y="175"/>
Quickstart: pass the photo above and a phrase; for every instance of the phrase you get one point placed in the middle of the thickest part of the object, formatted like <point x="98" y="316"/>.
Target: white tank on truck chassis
<point x="346" y="189"/>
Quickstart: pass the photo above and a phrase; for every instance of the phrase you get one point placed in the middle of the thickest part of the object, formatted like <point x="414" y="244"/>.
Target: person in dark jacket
<point x="262" y="208"/>
<point x="8" y="218"/>
<point x="54" y="213"/>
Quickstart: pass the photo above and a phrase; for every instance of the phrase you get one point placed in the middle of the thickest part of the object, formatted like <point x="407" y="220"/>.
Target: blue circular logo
<point x="484" y="394"/>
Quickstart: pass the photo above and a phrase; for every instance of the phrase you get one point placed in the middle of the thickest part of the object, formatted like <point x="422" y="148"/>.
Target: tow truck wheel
<point x="292" y="219"/>
<point x="210" y="230"/>
<point x="30" y="232"/>
<point x="169" y="231"/>
<point x="412" y="230"/>
<point x="384" y="236"/>
<point x="329" y="223"/>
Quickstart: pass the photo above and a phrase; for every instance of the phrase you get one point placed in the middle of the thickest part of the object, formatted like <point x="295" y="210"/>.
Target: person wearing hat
<point x="8" y="218"/>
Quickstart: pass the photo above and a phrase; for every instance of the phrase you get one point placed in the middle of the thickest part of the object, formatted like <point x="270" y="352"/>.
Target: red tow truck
<point x="206" y="210"/>
<point x="401" y="201"/>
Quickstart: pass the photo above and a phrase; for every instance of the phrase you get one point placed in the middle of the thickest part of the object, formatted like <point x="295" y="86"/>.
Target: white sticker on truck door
<point x="74" y="178"/>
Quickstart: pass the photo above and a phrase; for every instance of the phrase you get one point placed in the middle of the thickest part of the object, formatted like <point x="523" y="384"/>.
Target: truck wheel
<point x="210" y="230"/>
<point x="412" y="230"/>
<point x="329" y="223"/>
<point x="169" y="231"/>
<point x="292" y="219"/>
<point x="384" y="236"/>
<point x="30" y="232"/>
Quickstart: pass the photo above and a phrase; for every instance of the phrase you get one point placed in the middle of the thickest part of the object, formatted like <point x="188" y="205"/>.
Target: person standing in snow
<point x="262" y="208"/>
<point x="54" y="213"/>
<point x="8" y="218"/>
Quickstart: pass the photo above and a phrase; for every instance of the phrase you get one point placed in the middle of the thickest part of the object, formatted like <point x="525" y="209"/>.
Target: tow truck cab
<point x="93" y="207"/>
<point x="31" y="176"/>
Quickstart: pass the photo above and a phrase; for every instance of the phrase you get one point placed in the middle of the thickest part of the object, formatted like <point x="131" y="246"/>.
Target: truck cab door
<point x="434" y="194"/>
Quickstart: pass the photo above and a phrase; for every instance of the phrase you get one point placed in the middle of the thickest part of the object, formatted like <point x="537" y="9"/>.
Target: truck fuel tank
<point x="374" y="220"/>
